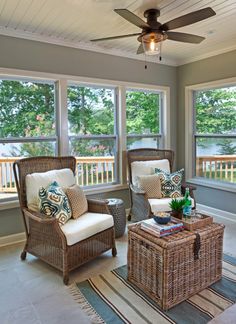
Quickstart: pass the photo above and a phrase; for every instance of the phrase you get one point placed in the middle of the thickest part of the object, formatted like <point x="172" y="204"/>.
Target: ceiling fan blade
<point x="183" y="37"/>
<point x="132" y="18"/>
<point x="140" y="49"/>
<point x="188" y="19"/>
<point x="114" y="37"/>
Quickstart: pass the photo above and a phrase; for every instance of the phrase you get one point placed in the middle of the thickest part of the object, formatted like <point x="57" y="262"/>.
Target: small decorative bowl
<point x="162" y="218"/>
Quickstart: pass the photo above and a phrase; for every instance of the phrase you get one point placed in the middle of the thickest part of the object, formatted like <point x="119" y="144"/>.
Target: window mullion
<point x="62" y="117"/>
<point x="121" y="122"/>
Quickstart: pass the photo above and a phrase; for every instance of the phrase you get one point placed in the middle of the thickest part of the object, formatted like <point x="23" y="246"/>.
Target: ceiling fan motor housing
<point x="151" y="15"/>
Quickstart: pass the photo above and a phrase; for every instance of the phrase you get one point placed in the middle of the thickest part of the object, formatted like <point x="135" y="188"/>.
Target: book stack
<point x="160" y="230"/>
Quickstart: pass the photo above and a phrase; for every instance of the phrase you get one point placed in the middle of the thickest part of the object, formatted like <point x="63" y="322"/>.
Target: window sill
<point x="219" y="185"/>
<point x="89" y="191"/>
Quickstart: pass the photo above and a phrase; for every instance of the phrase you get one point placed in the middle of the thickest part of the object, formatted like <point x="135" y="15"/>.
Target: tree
<point x="91" y="112"/>
<point x="142" y="112"/>
<point x="27" y="110"/>
<point x="216" y="114"/>
<point x="227" y="147"/>
<point x="216" y="111"/>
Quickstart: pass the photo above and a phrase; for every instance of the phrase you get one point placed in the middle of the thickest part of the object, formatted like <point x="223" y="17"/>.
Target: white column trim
<point x="62" y="117"/>
<point x="121" y="112"/>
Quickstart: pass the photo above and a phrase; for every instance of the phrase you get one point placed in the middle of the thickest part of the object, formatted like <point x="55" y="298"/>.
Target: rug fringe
<point x="85" y="306"/>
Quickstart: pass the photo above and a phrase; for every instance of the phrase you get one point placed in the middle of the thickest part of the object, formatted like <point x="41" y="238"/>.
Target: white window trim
<point x="189" y="153"/>
<point x="62" y="81"/>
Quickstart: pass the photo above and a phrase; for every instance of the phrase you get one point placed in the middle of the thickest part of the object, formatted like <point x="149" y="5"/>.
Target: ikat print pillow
<point x="170" y="183"/>
<point x="53" y="202"/>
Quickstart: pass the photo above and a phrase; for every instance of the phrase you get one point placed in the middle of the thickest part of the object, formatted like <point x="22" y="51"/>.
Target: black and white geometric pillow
<point x="170" y="183"/>
<point x="53" y="202"/>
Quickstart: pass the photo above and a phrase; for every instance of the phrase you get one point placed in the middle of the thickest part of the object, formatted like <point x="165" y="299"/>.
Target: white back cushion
<point x="64" y="178"/>
<point x="139" y="168"/>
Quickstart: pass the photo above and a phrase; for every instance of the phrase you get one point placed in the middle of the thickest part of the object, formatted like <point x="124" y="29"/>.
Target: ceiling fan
<point x="154" y="33"/>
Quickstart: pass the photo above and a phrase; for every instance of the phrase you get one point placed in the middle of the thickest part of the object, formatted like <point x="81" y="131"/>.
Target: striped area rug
<point x="110" y="298"/>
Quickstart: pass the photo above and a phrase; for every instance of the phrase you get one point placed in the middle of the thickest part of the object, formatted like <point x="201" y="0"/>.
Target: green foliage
<point x="177" y="204"/>
<point x="216" y="111"/>
<point x="142" y="112"/>
<point x="227" y="147"/>
<point x="91" y="111"/>
<point x="26" y="109"/>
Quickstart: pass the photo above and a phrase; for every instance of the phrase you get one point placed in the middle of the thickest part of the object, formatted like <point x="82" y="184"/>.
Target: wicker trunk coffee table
<point x="175" y="267"/>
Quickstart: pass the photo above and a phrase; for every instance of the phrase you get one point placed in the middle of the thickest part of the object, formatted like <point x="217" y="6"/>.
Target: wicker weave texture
<point x="140" y="208"/>
<point x="44" y="237"/>
<point x="117" y="210"/>
<point x="167" y="270"/>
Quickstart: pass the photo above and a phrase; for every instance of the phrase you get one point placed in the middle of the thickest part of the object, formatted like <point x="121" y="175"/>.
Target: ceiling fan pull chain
<point x="160" y="57"/>
<point x="145" y="61"/>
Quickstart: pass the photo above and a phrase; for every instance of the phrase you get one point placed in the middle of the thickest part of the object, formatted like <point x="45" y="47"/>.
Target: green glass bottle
<point x="188" y="204"/>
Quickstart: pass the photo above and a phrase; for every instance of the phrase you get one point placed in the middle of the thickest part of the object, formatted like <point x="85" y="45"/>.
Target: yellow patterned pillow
<point x="78" y="201"/>
<point x="151" y="184"/>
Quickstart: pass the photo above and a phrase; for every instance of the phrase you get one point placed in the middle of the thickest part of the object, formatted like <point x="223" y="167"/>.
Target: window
<point x="214" y="117"/>
<point x="92" y="133"/>
<point x="27" y="125"/>
<point x="143" y="119"/>
<point x="52" y="115"/>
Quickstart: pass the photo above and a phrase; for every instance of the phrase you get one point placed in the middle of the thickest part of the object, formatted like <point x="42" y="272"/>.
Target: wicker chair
<point x="44" y="237"/>
<point x="140" y="207"/>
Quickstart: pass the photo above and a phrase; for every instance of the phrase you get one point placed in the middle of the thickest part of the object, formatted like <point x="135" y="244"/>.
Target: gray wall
<point x="214" y="68"/>
<point x="41" y="57"/>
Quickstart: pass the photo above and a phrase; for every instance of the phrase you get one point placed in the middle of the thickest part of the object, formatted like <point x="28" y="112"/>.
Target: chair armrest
<point x="38" y="217"/>
<point x="137" y="190"/>
<point x="98" y="206"/>
<point x="185" y="185"/>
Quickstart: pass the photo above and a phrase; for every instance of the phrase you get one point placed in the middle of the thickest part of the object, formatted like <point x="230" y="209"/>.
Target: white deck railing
<point x="99" y="170"/>
<point x="222" y="167"/>
<point x="89" y="171"/>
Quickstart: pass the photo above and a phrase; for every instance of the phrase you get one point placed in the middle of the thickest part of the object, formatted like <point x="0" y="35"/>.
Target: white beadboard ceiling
<point x="75" y="22"/>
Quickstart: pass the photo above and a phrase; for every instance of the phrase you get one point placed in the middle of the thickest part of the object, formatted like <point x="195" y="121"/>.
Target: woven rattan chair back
<point x="44" y="236"/>
<point x="148" y="154"/>
<point x="26" y="166"/>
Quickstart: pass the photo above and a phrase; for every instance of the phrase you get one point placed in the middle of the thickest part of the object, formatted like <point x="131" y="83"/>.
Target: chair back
<point x="30" y="165"/>
<point x="148" y="154"/>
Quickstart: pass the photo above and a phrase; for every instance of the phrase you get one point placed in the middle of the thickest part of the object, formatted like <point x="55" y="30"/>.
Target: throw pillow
<point x="78" y="201"/>
<point x="151" y="184"/>
<point x="53" y="202"/>
<point x="170" y="183"/>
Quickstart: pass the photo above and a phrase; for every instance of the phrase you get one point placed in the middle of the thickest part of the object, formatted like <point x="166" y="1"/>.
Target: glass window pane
<point x="216" y="111"/>
<point x="142" y="142"/>
<point x="95" y="160"/>
<point x="216" y="158"/>
<point x="91" y="110"/>
<point x="142" y="112"/>
<point x="27" y="149"/>
<point x="9" y="153"/>
<point x="26" y="109"/>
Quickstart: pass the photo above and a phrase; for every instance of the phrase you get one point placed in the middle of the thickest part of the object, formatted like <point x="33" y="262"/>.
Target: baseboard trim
<point x="217" y="212"/>
<point x="12" y="239"/>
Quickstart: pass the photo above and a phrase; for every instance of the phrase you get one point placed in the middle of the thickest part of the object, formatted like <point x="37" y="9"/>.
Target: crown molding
<point x="6" y="31"/>
<point x="205" y="56"/>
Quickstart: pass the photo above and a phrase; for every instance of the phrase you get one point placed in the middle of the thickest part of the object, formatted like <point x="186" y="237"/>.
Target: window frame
<point x="100" y="137"/>
<point x="61" y="81"/>
<point x="191" y="135"/>
<point x="159" y="136"/>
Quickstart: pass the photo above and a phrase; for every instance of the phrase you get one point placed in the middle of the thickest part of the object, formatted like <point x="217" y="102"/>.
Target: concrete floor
<point x="31" y="292"/>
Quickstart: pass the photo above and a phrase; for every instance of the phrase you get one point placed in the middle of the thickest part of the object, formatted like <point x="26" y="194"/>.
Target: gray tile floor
<point x="31" y="292"/>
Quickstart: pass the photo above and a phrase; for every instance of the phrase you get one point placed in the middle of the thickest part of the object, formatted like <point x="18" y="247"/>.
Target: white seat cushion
<point x="85" y="226"/>
<point x="159" y="205"/>
<point x="139" y="168"/>
<point x="64" y="178"/>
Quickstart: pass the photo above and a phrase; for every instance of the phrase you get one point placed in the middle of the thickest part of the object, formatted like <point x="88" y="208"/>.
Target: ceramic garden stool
<point x="117" y="210"/>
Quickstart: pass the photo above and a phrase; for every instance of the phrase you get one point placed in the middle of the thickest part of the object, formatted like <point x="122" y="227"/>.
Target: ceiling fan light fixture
<point x="152" y="43"/>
